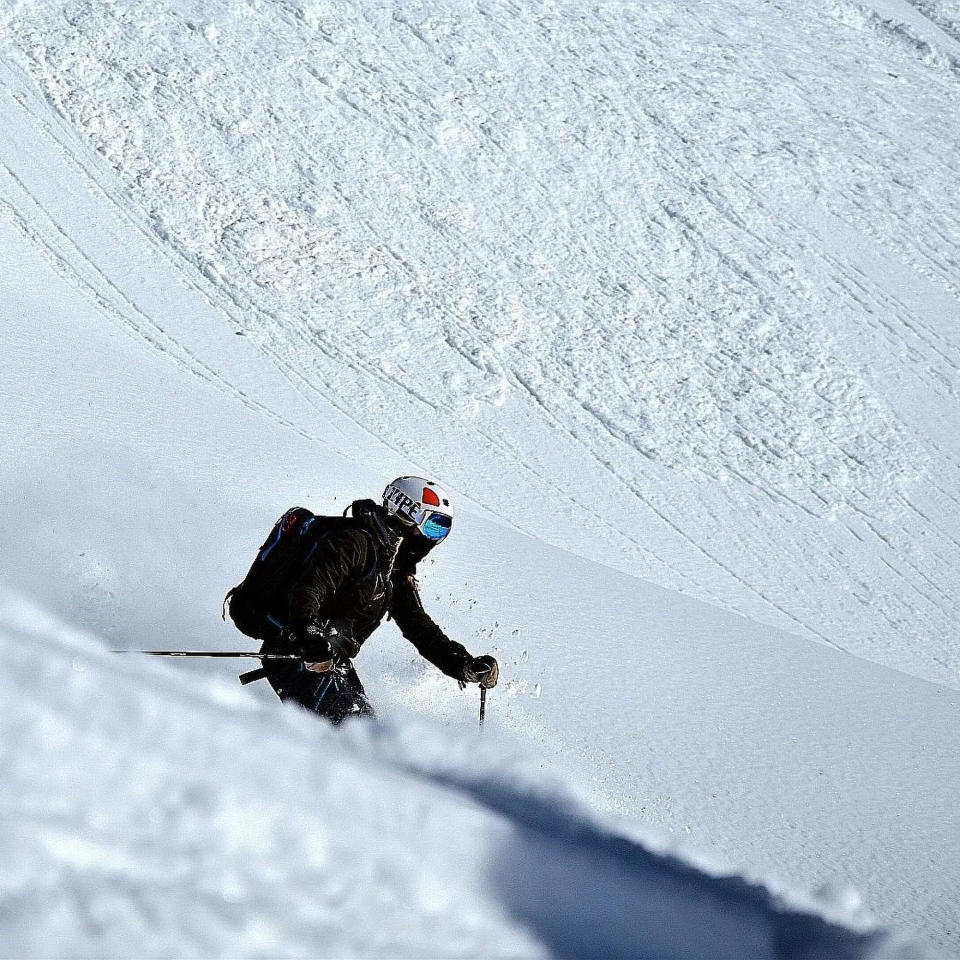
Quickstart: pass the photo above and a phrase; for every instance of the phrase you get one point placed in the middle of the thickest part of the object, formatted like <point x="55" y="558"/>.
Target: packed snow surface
<point x="668" y="296"/>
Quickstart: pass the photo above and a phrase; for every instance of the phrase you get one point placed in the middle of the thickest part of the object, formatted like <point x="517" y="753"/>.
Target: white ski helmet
<point x="420" y="503"/>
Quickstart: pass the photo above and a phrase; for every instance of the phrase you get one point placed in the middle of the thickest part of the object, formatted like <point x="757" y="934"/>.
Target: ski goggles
<point x="435" y="526"/>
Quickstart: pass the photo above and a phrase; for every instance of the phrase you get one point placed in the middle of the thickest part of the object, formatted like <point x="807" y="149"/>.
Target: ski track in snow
<point x="596" y="243"/>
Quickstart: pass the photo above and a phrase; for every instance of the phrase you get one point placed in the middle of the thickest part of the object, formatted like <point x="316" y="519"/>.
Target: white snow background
<point x="667" y="294"/>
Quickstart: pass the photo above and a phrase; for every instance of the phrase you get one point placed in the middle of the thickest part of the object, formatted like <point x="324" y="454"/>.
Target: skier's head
<point x="419" y="505"/>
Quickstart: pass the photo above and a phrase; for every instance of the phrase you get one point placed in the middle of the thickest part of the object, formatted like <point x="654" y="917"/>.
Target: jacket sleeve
<point x="339" y="557"/>
<point x="415" y="624"/>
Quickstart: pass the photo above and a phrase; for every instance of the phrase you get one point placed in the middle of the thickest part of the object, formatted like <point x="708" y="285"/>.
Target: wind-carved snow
<point x="944" y="13"/>
<point x="635" y="288"/>
<point x="603" y="244"/>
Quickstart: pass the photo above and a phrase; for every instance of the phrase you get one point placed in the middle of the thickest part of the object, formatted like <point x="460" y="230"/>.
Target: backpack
<point x="255" y="602"/>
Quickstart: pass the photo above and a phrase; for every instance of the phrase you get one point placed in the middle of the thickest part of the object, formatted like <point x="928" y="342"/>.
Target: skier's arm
<point x="339" y="557"/>
<point x="431" y="642"/>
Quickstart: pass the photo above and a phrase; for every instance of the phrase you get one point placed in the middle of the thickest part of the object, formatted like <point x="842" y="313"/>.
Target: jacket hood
<point x="379" y="523"/>
<point x="408" y="548"/>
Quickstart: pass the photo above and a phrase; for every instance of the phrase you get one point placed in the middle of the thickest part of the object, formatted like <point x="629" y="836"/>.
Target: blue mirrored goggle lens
<point x="436" y="526"/>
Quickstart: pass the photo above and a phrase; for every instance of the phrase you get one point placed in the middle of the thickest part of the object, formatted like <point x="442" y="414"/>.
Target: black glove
<point x="341" y="641"/>
<point x="322" y="639"/>
<point x="483" y="670"/>
<point x="310" y="642"/>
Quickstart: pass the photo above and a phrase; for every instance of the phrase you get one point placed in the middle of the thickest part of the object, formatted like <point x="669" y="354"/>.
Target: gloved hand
<point x="323" y="639"/>
<point x="340" y="641"/>
<point x="309" y="641"/>
<point x="312" y="644"/>
<point x="483" y="670"/>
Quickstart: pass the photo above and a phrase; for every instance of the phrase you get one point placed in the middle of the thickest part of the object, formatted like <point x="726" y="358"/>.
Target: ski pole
<point x="215" y="653"/>
<point x="483" y="704"/>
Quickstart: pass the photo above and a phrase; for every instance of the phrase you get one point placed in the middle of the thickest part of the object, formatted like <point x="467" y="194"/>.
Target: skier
<point x="359" y="573"/>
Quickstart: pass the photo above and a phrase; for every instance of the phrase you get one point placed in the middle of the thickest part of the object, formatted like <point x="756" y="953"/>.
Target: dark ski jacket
<point x="363" y="573"/>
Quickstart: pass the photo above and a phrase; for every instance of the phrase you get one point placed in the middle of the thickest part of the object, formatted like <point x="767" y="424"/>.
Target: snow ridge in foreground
<point x="154" y="816"/>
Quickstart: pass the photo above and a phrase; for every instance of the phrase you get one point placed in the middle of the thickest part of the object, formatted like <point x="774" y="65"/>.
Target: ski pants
<point x="335" y="695"/>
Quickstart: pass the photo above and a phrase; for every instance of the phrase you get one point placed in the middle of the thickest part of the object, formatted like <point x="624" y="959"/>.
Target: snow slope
<point x="686" y="275"/>
<point x="156" y="812"/>
<point x="147" y="448"/>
